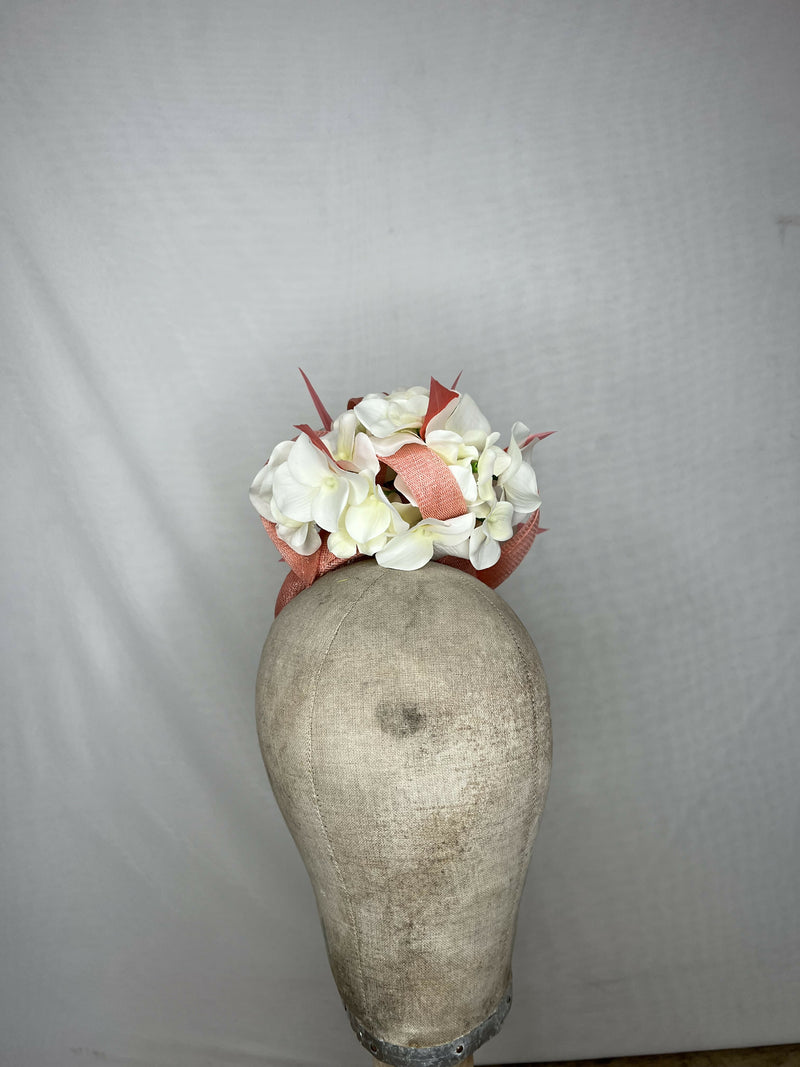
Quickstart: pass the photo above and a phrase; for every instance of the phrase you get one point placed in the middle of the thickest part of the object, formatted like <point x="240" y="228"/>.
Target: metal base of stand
<point x="434" y="1055"/>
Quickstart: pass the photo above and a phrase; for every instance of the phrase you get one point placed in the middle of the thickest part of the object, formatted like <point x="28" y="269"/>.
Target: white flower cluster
<point x="349" y="489"/>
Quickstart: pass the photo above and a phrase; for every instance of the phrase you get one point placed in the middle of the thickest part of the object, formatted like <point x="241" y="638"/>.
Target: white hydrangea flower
<point x="367" y="527"/>
<point x="403" y="409"/>
<point x="413" y="549"/>
<point x="518" y="481"/>
<point x="310" y="487"/>
<point x="261" y="489"/>
<point x="492" y="461"/>
<point x="303" y="537"/>
<point x="350" y="446"/>
<point x="463" y="417"/>
<point x="484" y="541"/>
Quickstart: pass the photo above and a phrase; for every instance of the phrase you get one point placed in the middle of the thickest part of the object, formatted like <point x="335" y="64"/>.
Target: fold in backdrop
<point x="591" y="209"/>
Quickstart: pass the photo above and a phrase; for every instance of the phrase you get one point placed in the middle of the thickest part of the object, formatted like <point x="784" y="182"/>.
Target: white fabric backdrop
<point x="594" y="210"/>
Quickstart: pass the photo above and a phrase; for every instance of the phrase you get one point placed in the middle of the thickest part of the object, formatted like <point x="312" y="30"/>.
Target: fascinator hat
<point x="404" y="477"/>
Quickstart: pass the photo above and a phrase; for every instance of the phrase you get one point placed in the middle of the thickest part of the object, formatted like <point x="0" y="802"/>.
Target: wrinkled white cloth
<point x="590" y="209"/>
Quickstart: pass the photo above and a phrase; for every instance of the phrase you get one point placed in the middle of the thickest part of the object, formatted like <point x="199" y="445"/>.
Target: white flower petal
<point x="439" y="421"/>
<point x="502" y="461"/>
<point x="352" y="448"/>
<point x="466" y="481"/>
<point x="451" y="531"/>
<point x="402" y="409"/>
<point x="468" y="419"/>
<point x="292" y="497"/>
<point x="518" y="481"/>
<point x="303" y="538"/>
<point x="375" y="544"/>
<point x="409" y="513"/>
<point x="445" y="444"/>
<point x="280" y="453"/>
<point x="387" y="446"/>
<point x="402" y="488"/>
<point x="307" y="463"/>
<point x="514" y="459"/>
<point x="521" y="489"/>
<point x="483" y="550"/>
<point x="364" y="456"/>
<point x="358" y="487"/>
<point x="261" y="489"/>
<point x="329" y="502"/>
<point x="341" y="545"/>
<point x="371" y="413"/>
<point x="341" y="439"/>
<point x="407" y="412"/>
<point x="481" y="509"/>
<point x="398" y="523"/>
<point x="519" y="431"/>
<point x="408" y="551"/>
<point x="367" y="520"/>
<point x="461" y="550"/>
<point x="261" y="493"/>
<point x="491" y="463"/>
<point x="522" y="516"/>
<point x="499" y="523"/>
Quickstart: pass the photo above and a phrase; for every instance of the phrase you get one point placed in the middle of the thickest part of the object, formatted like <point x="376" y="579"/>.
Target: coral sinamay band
<point x="435" y="490"/>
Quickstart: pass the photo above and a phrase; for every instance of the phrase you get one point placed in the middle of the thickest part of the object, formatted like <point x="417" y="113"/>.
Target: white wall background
<point x="592" y="208"/>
